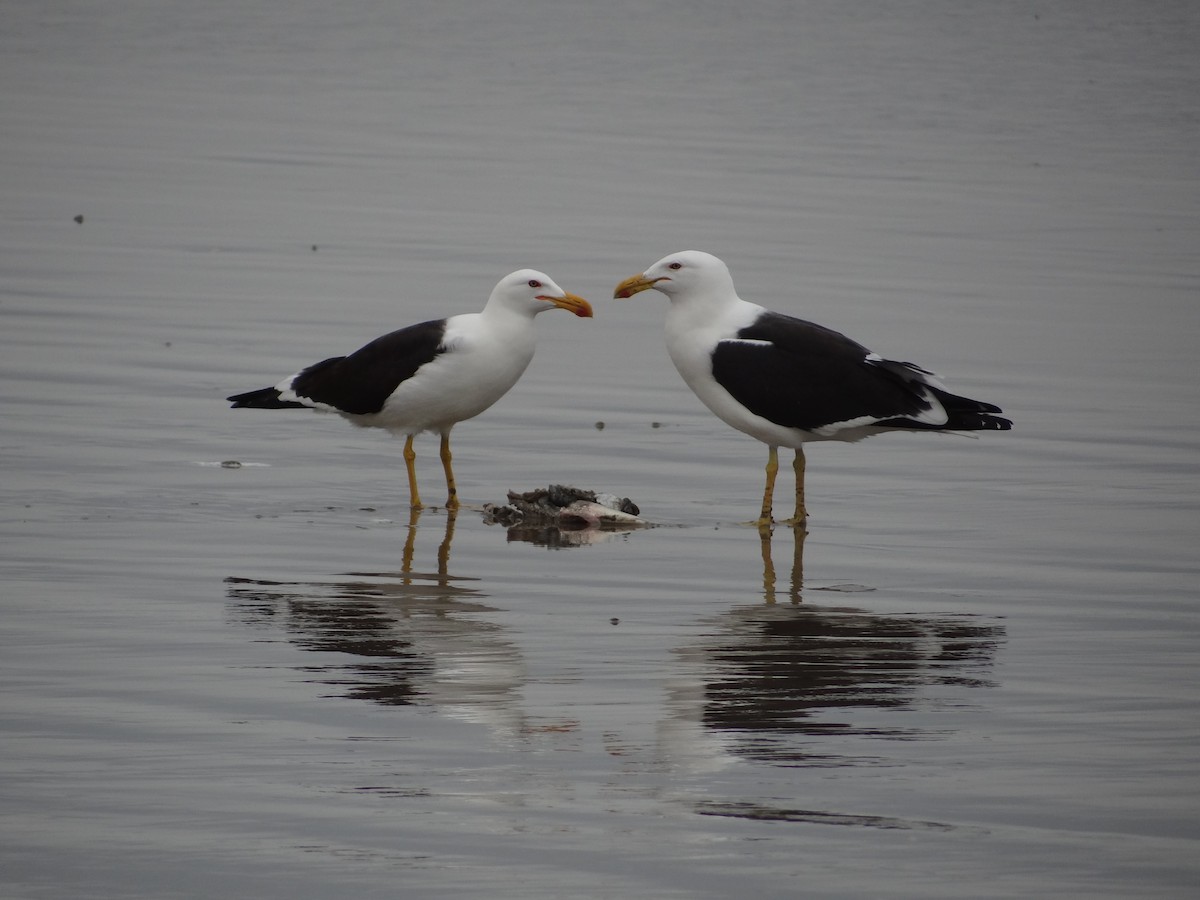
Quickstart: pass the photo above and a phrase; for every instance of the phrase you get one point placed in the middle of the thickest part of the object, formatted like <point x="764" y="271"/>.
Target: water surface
<point x="976" y="675"/>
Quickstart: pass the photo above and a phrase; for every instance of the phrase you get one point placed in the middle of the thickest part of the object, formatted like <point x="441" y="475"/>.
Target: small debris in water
<point x="565" y="507"/>
<point x="79" y="219"/>
<point x="230" y="464"/>
<point x="600" y="426"/>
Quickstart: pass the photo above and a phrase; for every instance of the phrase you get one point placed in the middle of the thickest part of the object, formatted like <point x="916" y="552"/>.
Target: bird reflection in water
<point x="796" y="583"/>
<point x="443" y="554"/>
<point x="781" y="683"/>
<point x="796" y="683"/>
<point x="403" y="638"/>
<point x="809" y="685"/>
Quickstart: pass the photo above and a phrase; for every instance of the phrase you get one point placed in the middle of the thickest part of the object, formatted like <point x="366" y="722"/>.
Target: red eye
<point x="675" y="266"/>
<point x="534" y="283"/>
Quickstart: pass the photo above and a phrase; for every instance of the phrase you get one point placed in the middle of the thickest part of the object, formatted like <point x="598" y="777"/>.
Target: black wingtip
<point x="264" y="398"/>
<point x="971" y="415"/>
<point x="970" y="422"/>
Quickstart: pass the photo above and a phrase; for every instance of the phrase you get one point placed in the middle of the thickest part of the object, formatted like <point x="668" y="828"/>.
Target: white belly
<point x="458" y="385"/>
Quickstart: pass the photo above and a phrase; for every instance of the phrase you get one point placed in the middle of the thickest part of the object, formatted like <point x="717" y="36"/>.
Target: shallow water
<point x="976" y="676"/>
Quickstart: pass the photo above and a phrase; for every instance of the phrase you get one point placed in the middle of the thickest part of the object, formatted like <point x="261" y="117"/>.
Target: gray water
<point x="977" y="676"/>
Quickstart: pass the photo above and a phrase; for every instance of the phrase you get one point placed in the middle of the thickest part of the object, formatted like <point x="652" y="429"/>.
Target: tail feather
<point x="265" y="398"/>
<point x="971" y="415"/>
<point x="977" y="422"/>
<point x="963" y="414"/>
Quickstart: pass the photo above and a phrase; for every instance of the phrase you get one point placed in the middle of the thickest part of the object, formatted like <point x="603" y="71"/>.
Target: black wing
<point x="361" y="382"/>
<point x="802" y="375"/>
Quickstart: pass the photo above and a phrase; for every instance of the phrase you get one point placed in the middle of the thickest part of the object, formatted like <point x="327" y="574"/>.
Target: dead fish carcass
<point x="566" y="507"/>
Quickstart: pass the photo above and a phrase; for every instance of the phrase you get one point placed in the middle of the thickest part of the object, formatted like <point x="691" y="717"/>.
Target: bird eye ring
<point x="534" y="283"/>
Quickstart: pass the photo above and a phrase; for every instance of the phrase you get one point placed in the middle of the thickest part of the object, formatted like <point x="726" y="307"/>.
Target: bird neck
<point x="707" y="308"/>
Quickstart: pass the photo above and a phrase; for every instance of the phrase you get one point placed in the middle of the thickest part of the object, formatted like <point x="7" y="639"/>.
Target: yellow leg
<point x="447" y="459"/>
<point x="764" y="519"/>
<point x="798" y="467"/>
<point x="410" y="459"/>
